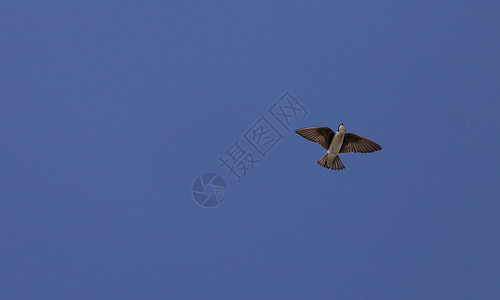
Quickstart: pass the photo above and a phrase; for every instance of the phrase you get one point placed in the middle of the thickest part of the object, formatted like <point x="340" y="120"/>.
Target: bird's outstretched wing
<point x="320" y="135"/>
<point x="356" y="143"/>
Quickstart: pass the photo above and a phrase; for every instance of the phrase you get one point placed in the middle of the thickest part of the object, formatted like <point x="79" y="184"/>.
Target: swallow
<point x="336" y="143"/>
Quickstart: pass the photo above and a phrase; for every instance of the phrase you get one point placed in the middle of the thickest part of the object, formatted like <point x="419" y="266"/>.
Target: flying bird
<point x="337" y="142"/>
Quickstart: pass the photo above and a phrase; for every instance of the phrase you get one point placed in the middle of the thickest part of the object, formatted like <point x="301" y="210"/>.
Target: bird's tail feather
<point x="335" y="165"/>
<point x="322" y="161"/>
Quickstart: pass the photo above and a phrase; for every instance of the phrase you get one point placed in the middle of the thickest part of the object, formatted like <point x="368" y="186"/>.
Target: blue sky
<point x="110" y="110"/>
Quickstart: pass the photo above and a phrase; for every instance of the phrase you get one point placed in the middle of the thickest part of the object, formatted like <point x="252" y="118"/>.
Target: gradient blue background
<point x="110" y="109"/>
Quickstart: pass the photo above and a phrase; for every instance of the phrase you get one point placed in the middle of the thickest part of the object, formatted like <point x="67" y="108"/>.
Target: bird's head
<point x="341" y="128"/>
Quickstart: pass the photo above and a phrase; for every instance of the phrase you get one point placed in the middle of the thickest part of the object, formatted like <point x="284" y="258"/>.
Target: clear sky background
<point x="109" y="110"/>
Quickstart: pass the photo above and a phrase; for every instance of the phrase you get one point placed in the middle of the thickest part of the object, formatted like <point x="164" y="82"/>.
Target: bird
<point x="336" y="143"/>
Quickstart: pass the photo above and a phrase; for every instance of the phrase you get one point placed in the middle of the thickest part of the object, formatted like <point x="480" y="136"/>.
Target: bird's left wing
<point x="320" y="135"/>
<point x="356" y="143"/>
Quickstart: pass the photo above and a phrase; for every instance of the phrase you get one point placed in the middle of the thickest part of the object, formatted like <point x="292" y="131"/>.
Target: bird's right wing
<point x="320" y="135"/>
